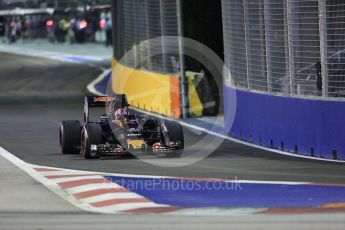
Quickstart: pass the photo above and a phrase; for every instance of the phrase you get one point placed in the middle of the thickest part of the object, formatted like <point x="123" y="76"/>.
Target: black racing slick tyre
<point x="69" y="133"/>
<point x="175" y="134"/>
<point x="92" y="135"/>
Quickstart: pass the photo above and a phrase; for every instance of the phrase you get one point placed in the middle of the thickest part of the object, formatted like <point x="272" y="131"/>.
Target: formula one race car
<point x="118" y="132"/>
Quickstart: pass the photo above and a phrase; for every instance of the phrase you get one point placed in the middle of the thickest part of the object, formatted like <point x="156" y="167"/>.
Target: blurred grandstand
<point x="58" y="20"/>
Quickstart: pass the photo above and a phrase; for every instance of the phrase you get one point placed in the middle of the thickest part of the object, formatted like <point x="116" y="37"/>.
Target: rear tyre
<point x="92" y="135"/>
<point x="69" y="135"/>
<point x="175" y="134"/>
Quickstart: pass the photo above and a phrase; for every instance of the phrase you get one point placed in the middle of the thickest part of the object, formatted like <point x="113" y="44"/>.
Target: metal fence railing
<point x="290" y="47"/>
<point x="276" y="46"/>
<point x="294" y="47"/>
<point x="334" y="30"/>
<point x="235" y="48"/>
<point x="304" y="34"/>
<point x="138" y="21"/>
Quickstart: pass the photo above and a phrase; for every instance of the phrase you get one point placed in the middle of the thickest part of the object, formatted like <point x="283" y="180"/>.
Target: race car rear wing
<point x="97" y="101"/>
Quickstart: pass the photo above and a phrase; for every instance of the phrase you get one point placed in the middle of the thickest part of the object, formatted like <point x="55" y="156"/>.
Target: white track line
<point x="125" y="207"/>
<point x="182" y="178"/>
<point x="90" y="187"/>
<point x="216" y="211"/>
<point x="67" y="194"/>
<point x="46" y="182"/>
<point x="64" y="57"/>
<point x="236" y="140"/>
<point x="71" y="179"/>
<point x="111" y="196"/>
<point x="64" y="173"/>
<point x="186" y="178"/>
<point x="92" y="86"/>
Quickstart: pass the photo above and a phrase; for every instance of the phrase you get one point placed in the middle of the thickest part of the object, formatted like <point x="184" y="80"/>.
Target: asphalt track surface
<point x="36" y="94"/>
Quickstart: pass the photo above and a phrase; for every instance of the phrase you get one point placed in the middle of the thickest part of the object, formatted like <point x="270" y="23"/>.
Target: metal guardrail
<point x="21" y="11"/>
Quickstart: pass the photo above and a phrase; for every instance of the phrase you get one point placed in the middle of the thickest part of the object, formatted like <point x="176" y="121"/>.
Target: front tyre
<point x="91" y="136"/>
<point x="69" y="135"/>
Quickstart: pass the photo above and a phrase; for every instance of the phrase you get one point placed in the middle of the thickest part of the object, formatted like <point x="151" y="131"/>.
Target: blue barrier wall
<point x="301" y="126"/>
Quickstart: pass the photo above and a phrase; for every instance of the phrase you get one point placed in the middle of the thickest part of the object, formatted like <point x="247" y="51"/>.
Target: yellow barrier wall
<point x="196" y="107"/>
<point x="150" y="91"/>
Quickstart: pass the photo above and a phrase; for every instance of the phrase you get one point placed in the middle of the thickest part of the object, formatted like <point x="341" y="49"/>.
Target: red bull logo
<point x="104" y="99"/>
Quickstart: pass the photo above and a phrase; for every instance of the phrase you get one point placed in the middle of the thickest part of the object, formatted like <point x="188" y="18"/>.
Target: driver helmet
<point x="121" y="112"/>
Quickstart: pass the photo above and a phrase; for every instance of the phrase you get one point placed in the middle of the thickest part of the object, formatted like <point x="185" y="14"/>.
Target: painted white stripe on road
<point x="90" y="187"/>
<point x="71" y="179"/>
<point x="52" y="186"/>
<point x="267" y="182"/>
<point x="92" y="86"/>
<point x="64" y="172"/>
<point x="216" y="211"/>
<point x="110" y="196"/>
<point x="65" y="57"/>
<point x="186" y="178"/>
<point x="127" y="207"/>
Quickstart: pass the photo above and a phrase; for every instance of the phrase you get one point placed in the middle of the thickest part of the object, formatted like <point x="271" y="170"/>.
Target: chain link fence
<point x="334" y="35"/>
<point x="290" y="47"/>
<point x="138" y="21"/>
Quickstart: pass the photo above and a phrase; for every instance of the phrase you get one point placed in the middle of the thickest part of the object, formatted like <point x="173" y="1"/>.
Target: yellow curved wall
<point x="195" y="104"/>
<point x="150" y="91"/>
